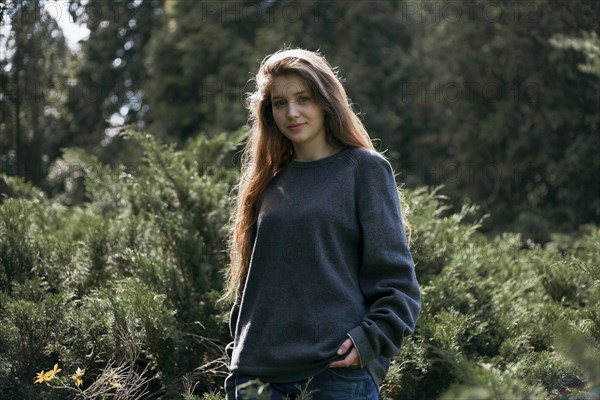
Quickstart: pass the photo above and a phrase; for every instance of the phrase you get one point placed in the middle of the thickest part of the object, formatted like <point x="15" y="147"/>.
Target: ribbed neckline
<point x="318" y="162"/>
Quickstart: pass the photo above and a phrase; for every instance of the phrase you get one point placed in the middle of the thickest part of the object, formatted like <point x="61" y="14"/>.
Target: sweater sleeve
<point x="387" y="276"/>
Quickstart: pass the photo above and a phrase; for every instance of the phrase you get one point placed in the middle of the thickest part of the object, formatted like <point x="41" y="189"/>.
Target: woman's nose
<point x="292" y="109"/>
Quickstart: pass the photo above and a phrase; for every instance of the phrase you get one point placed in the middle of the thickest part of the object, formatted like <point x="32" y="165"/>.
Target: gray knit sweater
<point x="330" y="261"/>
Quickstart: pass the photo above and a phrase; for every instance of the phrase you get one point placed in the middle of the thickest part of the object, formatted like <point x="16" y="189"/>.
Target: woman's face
<point x="296" y="113"/>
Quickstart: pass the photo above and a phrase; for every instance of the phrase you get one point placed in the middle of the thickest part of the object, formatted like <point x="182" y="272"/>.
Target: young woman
<point x="322" y="280"/>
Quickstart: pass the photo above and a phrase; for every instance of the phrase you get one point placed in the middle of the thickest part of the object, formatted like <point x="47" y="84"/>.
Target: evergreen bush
<point x="118" y="276"/>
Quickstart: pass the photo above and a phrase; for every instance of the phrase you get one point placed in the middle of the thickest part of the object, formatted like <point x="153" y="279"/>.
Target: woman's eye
<point x="303" y="99"/>
<point x="278" y="103"/>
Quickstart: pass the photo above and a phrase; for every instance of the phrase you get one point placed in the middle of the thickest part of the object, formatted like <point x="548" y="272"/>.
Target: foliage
<point x="589" y="45"/>
<point x="128" y="282"/>
<point x="499" y="315"/>
<point x="112" y="250"/>
<point x="34" y="67"/>
<point x="494" y="100"/>
<point x="108" y="78"/>
<point x="511" y="119"/>
<point x="85" y="284"/>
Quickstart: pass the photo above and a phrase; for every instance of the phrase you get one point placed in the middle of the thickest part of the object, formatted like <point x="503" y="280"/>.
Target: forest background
<point x="118" y="163"/>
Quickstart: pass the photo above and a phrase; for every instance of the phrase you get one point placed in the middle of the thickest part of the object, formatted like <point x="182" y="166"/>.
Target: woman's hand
<point x="351" y="359"/>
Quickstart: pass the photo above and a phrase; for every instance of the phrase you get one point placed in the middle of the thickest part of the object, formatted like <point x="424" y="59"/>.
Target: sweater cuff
<point x="366" y="353"/>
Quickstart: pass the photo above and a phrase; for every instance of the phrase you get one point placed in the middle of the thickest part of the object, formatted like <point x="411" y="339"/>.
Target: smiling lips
<point x="295" y="127"/>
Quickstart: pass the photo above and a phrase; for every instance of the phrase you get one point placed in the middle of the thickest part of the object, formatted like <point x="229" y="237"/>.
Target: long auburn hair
<point x="267" y="150"/>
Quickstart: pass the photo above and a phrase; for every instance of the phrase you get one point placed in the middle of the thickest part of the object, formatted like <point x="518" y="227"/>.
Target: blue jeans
<point x="331" y="384"/>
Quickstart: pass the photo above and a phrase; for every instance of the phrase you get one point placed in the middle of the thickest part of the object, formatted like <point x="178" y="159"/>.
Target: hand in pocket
<point x="351" y="359"/>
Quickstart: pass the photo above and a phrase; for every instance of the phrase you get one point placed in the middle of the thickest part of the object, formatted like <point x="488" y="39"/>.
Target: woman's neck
<point x="315" y="154"/>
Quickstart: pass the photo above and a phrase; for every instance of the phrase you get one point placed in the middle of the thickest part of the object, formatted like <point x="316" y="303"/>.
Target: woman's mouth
<point x="296" y="127"/>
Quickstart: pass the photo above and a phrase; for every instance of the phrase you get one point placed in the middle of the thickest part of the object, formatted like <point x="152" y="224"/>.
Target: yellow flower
<point x="77" y="376"/>
<point x="42" y="377"/>
<point x="50" y="374"/>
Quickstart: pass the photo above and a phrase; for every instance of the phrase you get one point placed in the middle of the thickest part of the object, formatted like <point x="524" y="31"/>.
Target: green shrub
<point x="18" y="251"/>
<point x="436" y="236"/>
<point x="36" y="326"/>
<point x="121" y="270"/>
<point x="494" y="311"/>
